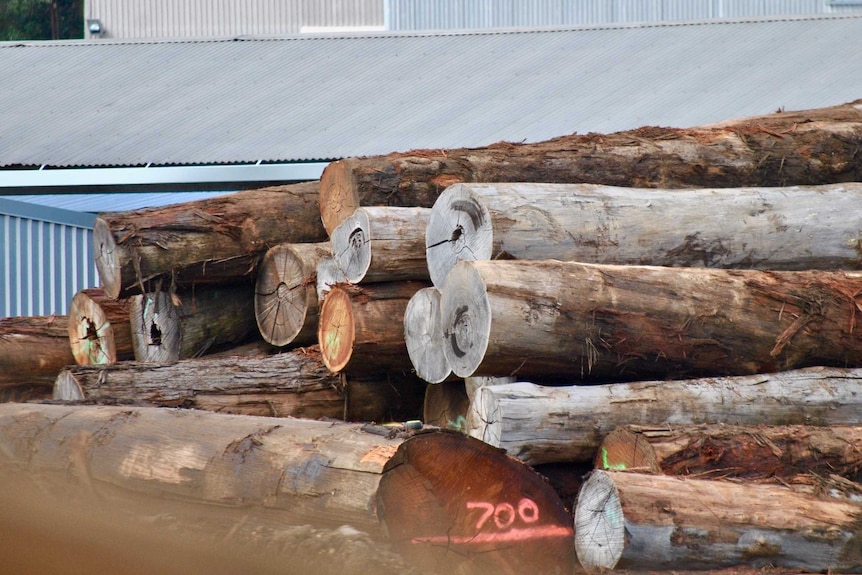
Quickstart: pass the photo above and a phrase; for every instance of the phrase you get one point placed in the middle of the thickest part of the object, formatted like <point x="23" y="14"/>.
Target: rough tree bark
<point x="169" y="326"/>
<point x="749" y="451"/>
<point x="377" y="244"/>
<point x="214" y="240"/>
<point x="643" y="521"/>
<point x="806" y="147"/>
<point x="290" y="384"/>
<point x="100" y="330"/>
<point x="361" y="327"/>
<point x="33" y="350"/>
<point x="603" y="322"/>
<point x="424" y="336"/>
<point x="298" y="472"/>
<point x="285" y="298"/>
<point x="790" y="228"/>
<point x="575" y="419"/>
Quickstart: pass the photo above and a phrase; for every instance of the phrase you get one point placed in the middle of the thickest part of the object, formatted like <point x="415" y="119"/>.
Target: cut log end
<point x="484" y="418"/>
<point x="280" y="299"/>
<point x="351" y="246"/>
<point x="623" y="450"/>
<point x="338" y="195"/>
<point x="108" y="258"/>
<point x="466" y="315"/>
<point x="599" y="524"/>
<point x="336" y="329"/>
<point x="155" y="329"/>
<point x="460" y="506"/>
<point x="328" y="275"/>
<point x="67" y="388"/>
<point x="459" y="228"/>
<point x="99" y="332"/>
<point x="424" y="335"/>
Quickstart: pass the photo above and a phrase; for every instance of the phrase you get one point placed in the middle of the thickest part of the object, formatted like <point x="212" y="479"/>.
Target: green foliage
<point x="41" y="19"/>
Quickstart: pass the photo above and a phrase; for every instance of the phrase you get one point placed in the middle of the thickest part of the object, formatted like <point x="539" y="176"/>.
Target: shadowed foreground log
<point x="640" y="521"/>
<point x="361" y="328"/>
<point x="300" y="472"/>
<point x="789" y="228"/>
<point x="214" y="240"/>
<point x="575" y="419"/>
<point x="806" y="147"/>
<point x="100" y="331"/>
<point x="749" y="451"/>
<point x="290" y="384"/>
<point x="167" y="327"/>
<point x="33" y="350"/>
<point x="285" y="298"/>
<point x="605" y="322"/>
<point x="377" y="244"/>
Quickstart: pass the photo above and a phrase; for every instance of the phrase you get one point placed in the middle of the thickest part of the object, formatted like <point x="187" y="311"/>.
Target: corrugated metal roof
<point x="104" y="202"/>
<point x="107" y="103"/>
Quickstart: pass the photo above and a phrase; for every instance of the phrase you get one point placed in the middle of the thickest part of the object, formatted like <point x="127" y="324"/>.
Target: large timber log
<point x="749" y="451"/>
<point x="33" y="350"/>
<point x="214" y="240"/>
<point x="168" y="326"/>
<point x="422" y="492"/>
<point x="361" y="327"/>
<point x="788" y="228"/>
<point x="290" y="384"/>
<point x="604" y="322"/>
<point x="100" y="330"/>
<point x="806" y="147"/>
<point x="286" y="305"/>
<point x="575" y="419"/>
<point x="424" y="336"/>
<point x="643" y="521"/>
<point x="376" y="244"/>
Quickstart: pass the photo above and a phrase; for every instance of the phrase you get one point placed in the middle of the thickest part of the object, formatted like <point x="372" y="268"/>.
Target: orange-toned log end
<point x="623" y="450"/>
<point x="336" y="330"/>
<point x="338" y="195"/>
<point x="453" y="504"/>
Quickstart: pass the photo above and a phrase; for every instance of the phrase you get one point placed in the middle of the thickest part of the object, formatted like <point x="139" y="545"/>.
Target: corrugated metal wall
<point x="443" y="14"/>
<point x="208" y="18"/>
<point x="43" y="264"/>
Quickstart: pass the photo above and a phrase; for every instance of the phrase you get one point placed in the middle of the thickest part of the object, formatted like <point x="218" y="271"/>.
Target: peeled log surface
<point x="450" y="501"/>
<point x="575" y="419"/>
<point x="806" y="147"/>
<point x="216" y="240"/>
<point x="285" y="298"/>
<point x="603" y="322"/>
<point x="100" y="330"/>
<point x="377" y="244"/>
<point x="789" y="228"/>
<point x="257" y="471"/>
<point x="424" y="336"/>
<point x="33" y="350"/>
<point x="640" y="521"/>
<point x="208" y="317"/>
<point x="291" y="384"/>
<point x="749" y="451"/>
<point x="361" y="328"/>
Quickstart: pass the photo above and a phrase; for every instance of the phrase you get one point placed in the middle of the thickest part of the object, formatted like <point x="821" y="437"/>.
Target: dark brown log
<point x="751" y="452"/>
<point x="446" y="405"/>
<point x="285" y="298"/>
<point x="387" y="396"/>
<point x="290" y="384"/>
<point x="415" y="491"/>
<point x="598" y="322"/>
<point x="171" y="326"/>
<point x="33" y="350"/>
<point x="208" y="241"/>
<point x="643" y="521"/>
<point x="574" y="419"/>
<point x="361" y="329"/>
<point x="806" y="147"/>
<point x="788" y="228"/>
<point x="100" y="330"/>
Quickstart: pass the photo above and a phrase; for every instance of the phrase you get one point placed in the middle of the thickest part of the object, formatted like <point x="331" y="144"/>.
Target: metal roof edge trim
<point x="46" y="214"/>
<point x="160" y="175"/>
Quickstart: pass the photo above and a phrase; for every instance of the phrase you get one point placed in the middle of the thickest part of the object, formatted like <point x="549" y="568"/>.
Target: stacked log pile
<point x="658" y="304"/>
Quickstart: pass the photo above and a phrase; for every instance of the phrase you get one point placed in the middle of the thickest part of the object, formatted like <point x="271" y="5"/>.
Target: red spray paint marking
<point x="513" y="535"/>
